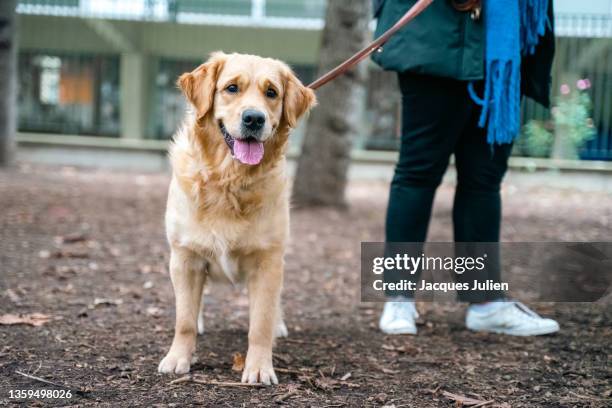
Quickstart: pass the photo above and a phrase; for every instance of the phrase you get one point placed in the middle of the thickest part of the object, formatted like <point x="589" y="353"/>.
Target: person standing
<point x="462" y="67"/>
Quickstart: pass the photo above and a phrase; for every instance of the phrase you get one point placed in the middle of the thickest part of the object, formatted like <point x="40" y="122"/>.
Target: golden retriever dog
<point x="227" y="216"/>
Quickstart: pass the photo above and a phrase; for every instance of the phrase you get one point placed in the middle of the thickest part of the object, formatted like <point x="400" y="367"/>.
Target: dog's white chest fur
<point x="216" y="240"/>
<point x="183" y="230"/>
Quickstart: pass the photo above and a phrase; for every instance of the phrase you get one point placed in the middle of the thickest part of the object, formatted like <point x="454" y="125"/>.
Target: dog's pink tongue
<point x="248" y="151"/>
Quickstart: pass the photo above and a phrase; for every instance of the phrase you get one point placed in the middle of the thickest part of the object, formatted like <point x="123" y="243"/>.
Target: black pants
<point x="440" y="119"/>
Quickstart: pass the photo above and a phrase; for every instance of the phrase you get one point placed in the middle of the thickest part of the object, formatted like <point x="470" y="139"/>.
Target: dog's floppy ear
<point x="297" y="100"/>
<point x="199" y="85"/>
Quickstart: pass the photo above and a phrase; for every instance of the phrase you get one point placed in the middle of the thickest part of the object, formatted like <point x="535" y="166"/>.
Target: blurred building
<point x="108" y="68"/>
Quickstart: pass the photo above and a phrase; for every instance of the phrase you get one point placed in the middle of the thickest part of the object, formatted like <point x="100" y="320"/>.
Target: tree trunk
<point x="323" y="165"/>
<point x="8" y="80"/>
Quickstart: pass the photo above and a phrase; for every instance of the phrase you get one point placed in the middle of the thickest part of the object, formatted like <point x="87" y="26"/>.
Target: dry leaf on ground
<point x="154" y="311"/>
<point x="72" y="238"/>
<point x="462" y="400"/>
<point x="33" y="319"/>
<point x="105" y="302"/>
<point x="238" y="364"/>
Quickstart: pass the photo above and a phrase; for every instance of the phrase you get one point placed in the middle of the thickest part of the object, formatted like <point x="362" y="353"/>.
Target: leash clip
<point x="475" y="13"/>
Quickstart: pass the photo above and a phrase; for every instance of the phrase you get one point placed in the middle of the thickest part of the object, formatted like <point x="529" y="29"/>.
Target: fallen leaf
<point x="105" y="302"/>
<point x="238" y="364"/>
<point x="462" y="400"/>
<point x="33" y="319"/>
<point x="72" y="238"/>
<point x="154" y="311"/>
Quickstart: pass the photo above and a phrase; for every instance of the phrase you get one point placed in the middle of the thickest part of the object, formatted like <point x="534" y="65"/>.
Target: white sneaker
<point x="398" y="317"/>
<point x="508" y="317"/>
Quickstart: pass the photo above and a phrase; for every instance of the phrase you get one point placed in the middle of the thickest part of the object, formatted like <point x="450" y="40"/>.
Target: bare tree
<point x="8" y="80"/>
<point x="323" y="165"/>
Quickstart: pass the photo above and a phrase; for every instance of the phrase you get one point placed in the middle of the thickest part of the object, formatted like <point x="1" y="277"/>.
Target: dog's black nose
<point x="253" y="119"/>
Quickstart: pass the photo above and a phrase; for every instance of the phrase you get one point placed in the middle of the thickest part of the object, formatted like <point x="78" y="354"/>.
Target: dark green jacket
<point x="448" y="43"/>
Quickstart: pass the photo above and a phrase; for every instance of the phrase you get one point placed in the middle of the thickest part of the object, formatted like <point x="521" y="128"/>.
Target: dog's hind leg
<point x="201" y="316"/>
<point x="281" y="328"/>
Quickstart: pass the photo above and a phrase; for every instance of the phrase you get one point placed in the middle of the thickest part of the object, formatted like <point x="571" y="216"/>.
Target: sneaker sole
<point x="399" y="331"/>
<point x="541" y="332"/>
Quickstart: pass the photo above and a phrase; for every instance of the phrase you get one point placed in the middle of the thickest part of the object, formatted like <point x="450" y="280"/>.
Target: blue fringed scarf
<point x="512" y="28"/>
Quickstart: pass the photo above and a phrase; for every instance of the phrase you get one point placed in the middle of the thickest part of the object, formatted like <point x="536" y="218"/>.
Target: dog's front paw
<point x="175" y="363"/>
<point x="258" y="369"/>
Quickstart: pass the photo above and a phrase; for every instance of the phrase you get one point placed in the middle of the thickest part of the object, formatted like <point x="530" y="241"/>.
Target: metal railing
<point x="304" y="14"/>
<point x="583" y="25"/>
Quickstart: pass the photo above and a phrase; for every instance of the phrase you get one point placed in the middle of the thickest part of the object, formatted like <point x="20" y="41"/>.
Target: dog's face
<point x="249" y="98"/>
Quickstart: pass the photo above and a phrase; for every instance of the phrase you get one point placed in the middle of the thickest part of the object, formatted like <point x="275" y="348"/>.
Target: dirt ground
<point x="88" y="249"/>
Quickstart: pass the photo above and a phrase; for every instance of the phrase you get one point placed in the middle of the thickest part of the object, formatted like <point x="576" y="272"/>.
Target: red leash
<point x="414" y="11"/>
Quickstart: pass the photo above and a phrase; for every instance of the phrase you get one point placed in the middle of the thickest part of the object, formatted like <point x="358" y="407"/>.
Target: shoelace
<point x="523" y="308"/>
<point x="524" y="311"/>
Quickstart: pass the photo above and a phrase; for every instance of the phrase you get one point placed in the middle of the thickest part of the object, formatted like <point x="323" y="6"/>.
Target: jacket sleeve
<point x="376" y="6"/>
<point x="536" y="68"/>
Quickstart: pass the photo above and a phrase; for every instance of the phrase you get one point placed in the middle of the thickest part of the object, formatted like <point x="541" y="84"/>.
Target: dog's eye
<point x="271" y="93"/>
<point x="233" y="88"/>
